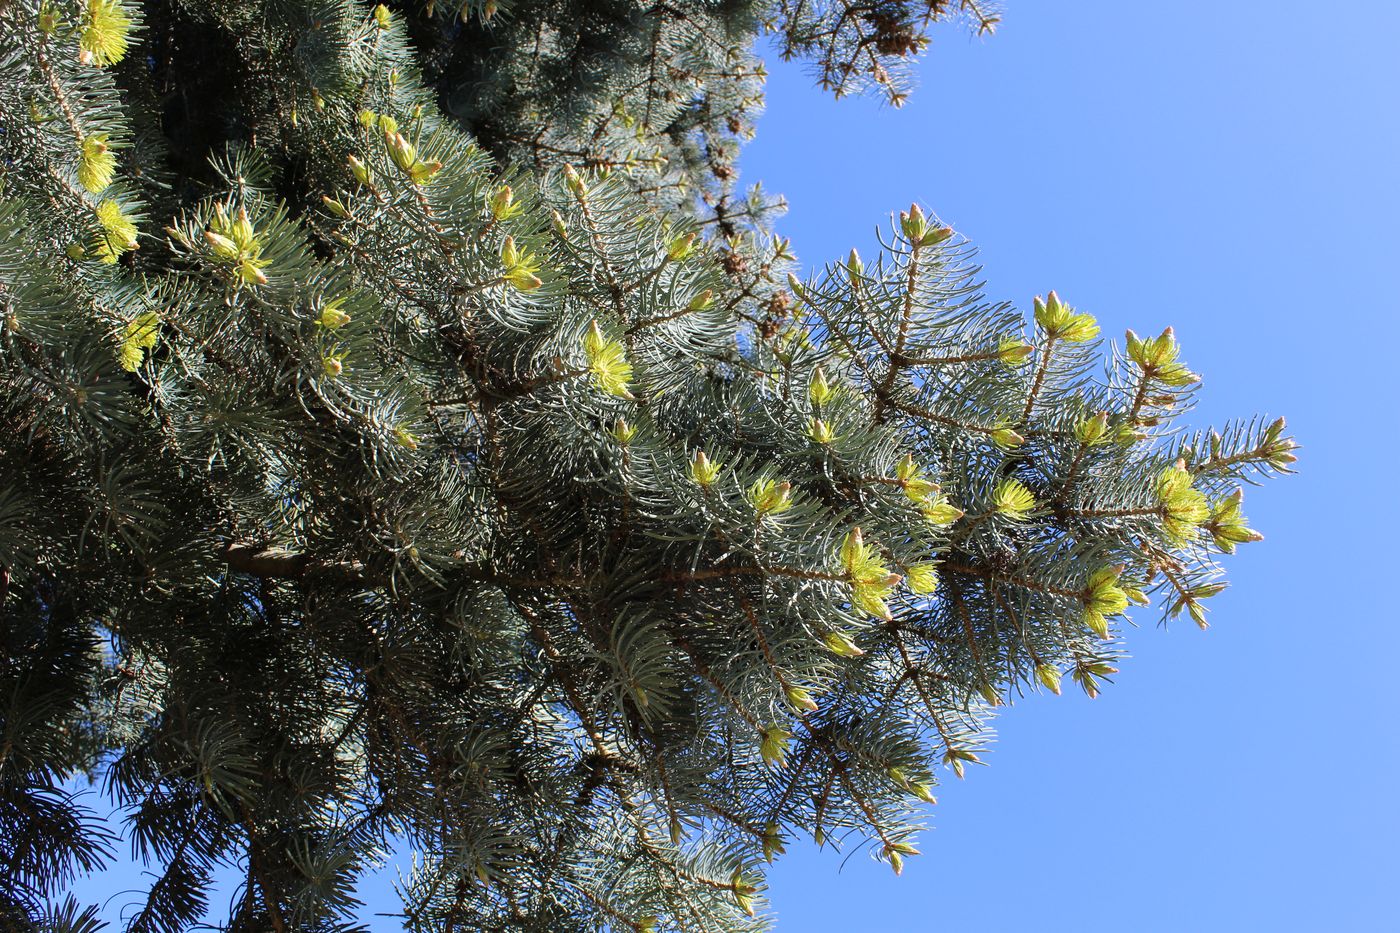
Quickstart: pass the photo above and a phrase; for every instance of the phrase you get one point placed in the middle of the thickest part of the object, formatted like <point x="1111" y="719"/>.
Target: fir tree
<point x="409" y="434"/>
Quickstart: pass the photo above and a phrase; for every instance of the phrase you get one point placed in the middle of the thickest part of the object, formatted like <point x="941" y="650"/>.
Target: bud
<point x="607" y="361"/>
<point x="242" y="233"/>
<point x="819" y="431"/>
<point x="105" y="36"/>
<point x="703" y="470"/>
<point x="222" y="247"/>
<point x="913" y="224"/>
<point x="332" y="366"/>
<point x="1092" y="432"/>
<point x="623" y="432"/>
<point x="250" y="271"/>
<point x="702" y="301"/>
<point x="382" y="17"/>
<point x="400" y="150"/>
<point x="837" y="643"/>
<point x="854" y="266"/>
<point x="503" y="206"/>
<point x="335" y="207"/>
<point x="919" y="231"/>
<point x="799" y="698"/>
<point x="772" y="842"/>
<point x="770" y="497"/>
<point x="360" y="170"/>
<point x="118" y="233"/>
<point x="1048" y="675"/>
<point x="1007" y="439"/>
<point x="1013" y="351"/>
<point x="743" y="891"/>
<point x="1060" y="321"/>
<point x="404" y="437"/>
<point x="574" y="182"/>
<point x="331" y="316"/>
<point x="955" y="757"/>
<point x="941" y="512"/>
<point x="795" y="286"/>
<point x="520" y="268"/>
<point x="680" y="247"/>
<point x="1228" y="526"/>
<point x="819" y="390"/>
<point x="773" y="746"/>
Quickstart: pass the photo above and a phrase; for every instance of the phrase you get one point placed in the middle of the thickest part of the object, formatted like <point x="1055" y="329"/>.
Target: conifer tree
<point x="410" y="437"/>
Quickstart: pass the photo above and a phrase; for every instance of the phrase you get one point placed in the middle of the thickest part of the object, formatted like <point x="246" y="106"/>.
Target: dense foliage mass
<point x="410" y="438"/>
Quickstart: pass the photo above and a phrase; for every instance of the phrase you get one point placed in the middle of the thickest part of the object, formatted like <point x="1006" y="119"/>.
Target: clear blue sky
<point x="1231" y="170"/>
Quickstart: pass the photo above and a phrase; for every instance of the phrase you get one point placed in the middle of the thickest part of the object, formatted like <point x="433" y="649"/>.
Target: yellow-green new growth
<point x="1157" y="356"/>
<point x="1228" y="526"/>
<point x="799" y="698"/>
<point x="140" y="335"/>
<point x="770" y="497"/>
<point x="919" y="231"/>
<point x="360" y="170"/>
<point x="1013" y="351"/>
<point x="680" y="248"/>
<point x="405" y="156"/>
<point x="820" y="432"/>
<point x="331" y="316"/>
<point x="1093" y="432"/>
<point x="118" y="234"/>
<point x="234" y="240"/>
<point x="839" y="643"/>
<point x="1103" y="597"/>
<point x="819" y="390"/>
<point x="918" y="488"/>
<point x="773" y="746"/>
<point x="871" y="581"/>
<point x="703" y="470"/>
<point x="106" y="33"/>
<point x="1012" y="499"/>
<point x="520" y="266"/>
<point x="607" y="362"/>
<point x="1061" y="322"/>
<point x="922" y="577"/>
<point x="623" y="432"/>
<point x="1184" y="508"/>
<point x="503" y="204"/>
<point x="939" y="511"/>
<point x="772" y="842"/>
<point x="1006" y="438"/>
<point x="744" y="890"/>
<point x="97" y="164"/>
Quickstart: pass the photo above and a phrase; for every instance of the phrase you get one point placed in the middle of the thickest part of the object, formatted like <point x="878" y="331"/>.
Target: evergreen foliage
<point x="409" y="435"/>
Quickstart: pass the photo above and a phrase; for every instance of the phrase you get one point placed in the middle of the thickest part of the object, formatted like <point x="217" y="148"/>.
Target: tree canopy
<point x="413" y="435"/>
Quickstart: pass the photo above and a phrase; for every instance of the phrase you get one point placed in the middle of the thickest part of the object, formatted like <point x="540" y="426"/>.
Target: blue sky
<point x="1229" y="169"/>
